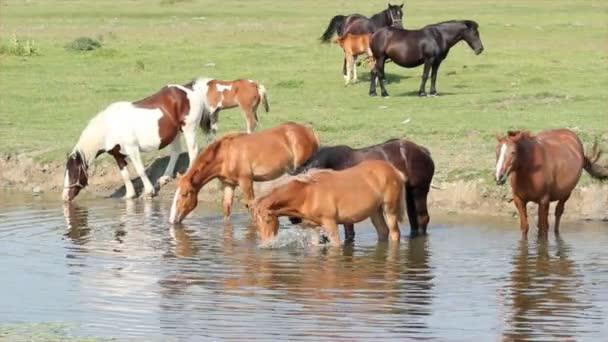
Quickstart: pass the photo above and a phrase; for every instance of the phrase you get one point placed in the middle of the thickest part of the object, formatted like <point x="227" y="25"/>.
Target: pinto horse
<point x="544" y="168"/>
<point x="411" y="159"/>
<point x="245" y="94"/>
<point x="125" y="129"/>
<point x="354" y="45"/>
<point x="411" y="48"/>
<point x="326" y="198"/>
<point x="239" y="159"/>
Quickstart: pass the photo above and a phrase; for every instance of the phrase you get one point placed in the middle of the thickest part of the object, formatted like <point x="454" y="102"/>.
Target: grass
<point x="545" y="65"/>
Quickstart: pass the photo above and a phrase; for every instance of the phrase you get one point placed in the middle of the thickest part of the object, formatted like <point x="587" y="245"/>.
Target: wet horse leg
<point x="425" y="76"/>
<point x="390" y="216"/>
<point x="246" y="185"/>
<point x="380" y="225"/>
<point x="543" y="217"/>
<point x="434" y="71"/>
<point x="331" y="227"/>
<point x="411" y="209"/>
<point x="135" y="157"/>
<point x="523" y="216"/>
<point x="559" y="210"/>
<point x="175" y="148"/>
<point x="124" y="173"/>
<point x="228" y="197"/>
<point x="420" y="197"/>
<point x="349" y="232"/>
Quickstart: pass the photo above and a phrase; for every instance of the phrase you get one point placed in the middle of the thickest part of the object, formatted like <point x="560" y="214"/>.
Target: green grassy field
<point x="545" y="65"/>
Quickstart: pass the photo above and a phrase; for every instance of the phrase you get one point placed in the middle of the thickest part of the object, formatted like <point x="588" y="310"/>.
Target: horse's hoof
<point x="422" y="94"/>
<point x="433" y="94"/>
<point x="385" y="95"/>
<point x="128" y="197"/>
<point x="148" y="195"/>
<point x="163" y="180"/>
<point x="372" y="94"/>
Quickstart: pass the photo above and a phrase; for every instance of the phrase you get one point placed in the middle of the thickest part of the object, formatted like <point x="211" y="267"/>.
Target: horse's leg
<point x="354" y="66"/>
<point x="374" y="74"/>
<point x="246" y="185"/>
<point x="135" y="157"/>
<point x="344" y="68"/>
<point x="543" y="216"/>
<point x="411" y="209"/>
<point x="175" y="149"/>
<point x="215" y="118"/>
<point x="124" y="173"/>
<point x="380" y="225"/>
<point x="190" y="136"/>
<point x="523" y="215"/>
<point x="380" y="62"/>
<point x="331" y="227"/>
<point x="434" y="70"/>
<point x="422" y="213"/>
<point x="249" y="118"/>
<point x="349" y="232"/>
<point x="425" y="76"/>
<point x="390" y="210"/>
<point x="559" y="210"/>
<point x="228" y="196"/>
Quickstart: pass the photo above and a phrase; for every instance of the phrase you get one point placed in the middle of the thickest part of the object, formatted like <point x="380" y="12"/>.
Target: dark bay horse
<point x="544" y="168"/>
<point x="360" y="24"/>
<point x="411" y="48"/>
<point x="411" y="159"/>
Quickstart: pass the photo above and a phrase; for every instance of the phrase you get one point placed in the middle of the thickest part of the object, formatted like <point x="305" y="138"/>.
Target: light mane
<point x="92" y="138"/>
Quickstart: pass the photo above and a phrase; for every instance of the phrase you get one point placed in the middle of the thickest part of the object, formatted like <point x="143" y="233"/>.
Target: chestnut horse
<point x="353" y="46"/>
<point x="245" y="94"/>
<point x="411" y="159"/>
<point x="124" y="129"/>
<point x="429" y="45"/>
<point x="239" y="159"/>
<point x="544" y="168"/>
<point x="326" y="198"/>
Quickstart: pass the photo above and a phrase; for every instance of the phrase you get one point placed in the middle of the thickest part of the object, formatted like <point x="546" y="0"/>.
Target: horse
<point x="239" y="159"/>
<point x="373" y="188"/>
<point x="543" y="168"/>
<point x="246" y="94"/>
<point x="125" y="129"/>
<point x="359" y="24"/>
<point x="411" y="159"/>
<point x="353" y="46"/>
<point x="411" y="48"/>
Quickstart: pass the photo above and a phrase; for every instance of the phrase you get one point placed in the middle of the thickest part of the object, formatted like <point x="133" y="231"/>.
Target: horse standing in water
<point x="239" y="159"/>
<point x="409" y="158"/>
<point x="544" y="168"/>
<point x="411" y="48"/>
<point x="125" y="129"/>
<point x="373" y="188"/>
<point x="245" y="94"/>
<point x="359" y="24"/>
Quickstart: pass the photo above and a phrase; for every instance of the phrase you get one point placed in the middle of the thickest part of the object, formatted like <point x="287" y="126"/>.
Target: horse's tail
<point x="205" y="122"/>
<point x="263" y="97"/>
<point x="335" y="25"/>
<point x="402" y="207"/>
<point x="593" y="167"/>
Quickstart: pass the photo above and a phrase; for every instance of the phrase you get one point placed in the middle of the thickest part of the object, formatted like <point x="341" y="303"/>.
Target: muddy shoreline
<point x="22" y="173"/>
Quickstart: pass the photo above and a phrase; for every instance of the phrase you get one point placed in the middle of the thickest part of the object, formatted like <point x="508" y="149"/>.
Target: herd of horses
<point x="326" y="185"/>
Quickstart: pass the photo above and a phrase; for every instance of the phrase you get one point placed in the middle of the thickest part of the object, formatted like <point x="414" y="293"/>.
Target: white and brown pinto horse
<point x="245" y="94"/>
<point x="125" y="129"/>
<point x="544" y="168"/>
<point x="239" y="159"/>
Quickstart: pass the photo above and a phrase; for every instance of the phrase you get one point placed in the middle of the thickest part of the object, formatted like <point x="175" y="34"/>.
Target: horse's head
<point x="506" y="155"/>
<point x="184" y="201"/>
<point x="395" y="14"/>
<point x="76" y="176"/>
<point x="267" y="222"/>
<point x="471" y="36"/>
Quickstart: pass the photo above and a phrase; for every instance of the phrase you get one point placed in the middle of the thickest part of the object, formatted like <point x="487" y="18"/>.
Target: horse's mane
<point x="468" y="23"/>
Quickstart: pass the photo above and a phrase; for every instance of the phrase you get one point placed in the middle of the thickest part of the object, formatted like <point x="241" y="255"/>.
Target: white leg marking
<point x="135" y="158"/>
<point x="66" y="183"/>
<point x="130" y="191"/>
<point x="190" y="135"/>
<point x="501" y="160"/>
<point x="176" y="148"/>
<point x="174" y="207"/>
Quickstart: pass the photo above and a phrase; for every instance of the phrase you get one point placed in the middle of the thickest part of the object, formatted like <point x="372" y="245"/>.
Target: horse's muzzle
<point x="502" y="179"/>
<point x="479" y="51"/>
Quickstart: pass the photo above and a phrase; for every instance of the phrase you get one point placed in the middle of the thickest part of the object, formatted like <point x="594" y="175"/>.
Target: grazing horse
<point x="353" y="46"/>
<point x="360" y="24"/>
<point x="544" y="168"/>
<point x="411" y="159"/>
<point x="373" y="188"/>
<point x="239" y="159"/>
<point x="124" y="129"/>
<point x="411" y="48"/>
<point x="245" y="94"/>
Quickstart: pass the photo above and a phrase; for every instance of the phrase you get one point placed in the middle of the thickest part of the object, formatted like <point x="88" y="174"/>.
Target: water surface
<point x="116" y="269"/>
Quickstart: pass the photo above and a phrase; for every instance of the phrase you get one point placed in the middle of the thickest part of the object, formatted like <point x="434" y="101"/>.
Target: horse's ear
<point x="178" y="175"/>
<point x="498" y="136"/>
<point x="389" y="5"/>
<point x="401" y="6"/>
<point x="515" y="135"/>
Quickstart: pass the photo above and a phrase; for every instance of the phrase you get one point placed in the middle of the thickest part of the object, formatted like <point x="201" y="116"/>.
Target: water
<point x="107" y="268"/>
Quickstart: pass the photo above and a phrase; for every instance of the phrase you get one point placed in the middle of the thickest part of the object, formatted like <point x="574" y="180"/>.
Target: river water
<point x="115" y="269"/>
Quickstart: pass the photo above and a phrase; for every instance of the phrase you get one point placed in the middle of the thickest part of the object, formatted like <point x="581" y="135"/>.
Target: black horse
<point x="411" y="48"/>
<point x="413" y="160"/>
<point x="360" y="24"/>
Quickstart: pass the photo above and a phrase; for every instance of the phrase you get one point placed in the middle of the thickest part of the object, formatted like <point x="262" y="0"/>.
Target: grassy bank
<point x="545" y="65"/>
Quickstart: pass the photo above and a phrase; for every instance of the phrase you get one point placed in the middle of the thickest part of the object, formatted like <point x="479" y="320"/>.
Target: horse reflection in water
<point x="546" y="294"/>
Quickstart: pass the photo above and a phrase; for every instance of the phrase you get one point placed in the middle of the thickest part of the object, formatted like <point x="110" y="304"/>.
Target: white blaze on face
<point x="173" y="214"/>
<point x="501" y="160"/>
<point x="66" y="184"/>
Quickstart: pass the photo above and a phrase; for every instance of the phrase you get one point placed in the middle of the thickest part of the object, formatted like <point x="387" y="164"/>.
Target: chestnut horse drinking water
<point x="544" y="168"/>
<point x="326" y="198"/>
<point x="411" y="48"/>
<point x="239" y="159"/>
<point x="411" y="159"/>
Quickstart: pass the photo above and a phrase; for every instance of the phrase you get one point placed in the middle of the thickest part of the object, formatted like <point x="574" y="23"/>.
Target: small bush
<point x="19" y="47"/>
<point x="84" y="44"/>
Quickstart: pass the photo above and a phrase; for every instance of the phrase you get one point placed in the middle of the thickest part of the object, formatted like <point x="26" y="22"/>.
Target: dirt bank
<point x="22" y="173"/>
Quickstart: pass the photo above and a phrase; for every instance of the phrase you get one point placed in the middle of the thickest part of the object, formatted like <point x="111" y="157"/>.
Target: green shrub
<point x="84" y="44"/>
<point x="19" y="47"/>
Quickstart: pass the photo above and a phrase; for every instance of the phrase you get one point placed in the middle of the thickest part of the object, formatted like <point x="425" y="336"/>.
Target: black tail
<point x="205" y="122"/>
<point x="335" y="25"/>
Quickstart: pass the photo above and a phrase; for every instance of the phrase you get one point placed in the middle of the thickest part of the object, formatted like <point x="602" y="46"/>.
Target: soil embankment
<point x="22" y="173"/>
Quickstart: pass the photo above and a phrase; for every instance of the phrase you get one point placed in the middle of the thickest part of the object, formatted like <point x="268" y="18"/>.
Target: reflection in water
<point x="76" y="219"/>
<point x="546" y="293"/>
